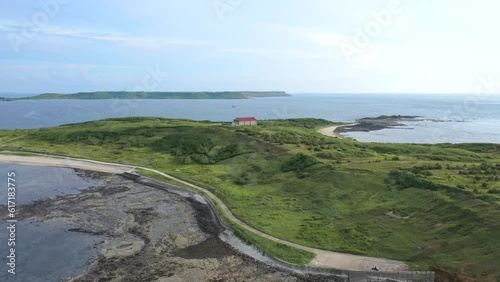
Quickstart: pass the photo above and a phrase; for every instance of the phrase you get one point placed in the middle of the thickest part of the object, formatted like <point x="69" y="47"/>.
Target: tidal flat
<point x="131" y="232"/>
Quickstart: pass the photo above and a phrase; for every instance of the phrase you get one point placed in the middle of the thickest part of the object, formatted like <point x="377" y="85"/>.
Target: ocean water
<point x="446" y="118"/>
<point x="37" y="182"/>
<point x="45" y="251"/>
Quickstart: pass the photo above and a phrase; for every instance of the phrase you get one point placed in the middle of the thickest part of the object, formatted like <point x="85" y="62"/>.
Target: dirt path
<point x="329" y="131"/>
<point x="323" y="258"/>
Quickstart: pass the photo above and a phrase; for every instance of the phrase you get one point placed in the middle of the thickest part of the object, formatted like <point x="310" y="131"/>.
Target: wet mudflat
<point x="138" y="233"/>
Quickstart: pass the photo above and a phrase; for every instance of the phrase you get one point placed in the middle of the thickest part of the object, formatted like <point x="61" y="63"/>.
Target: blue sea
<point x="445" y="118"/>
<point x="45" y="250"/>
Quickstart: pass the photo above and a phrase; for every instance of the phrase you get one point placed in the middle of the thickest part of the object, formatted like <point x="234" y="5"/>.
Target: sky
<point x="298" y="46"/>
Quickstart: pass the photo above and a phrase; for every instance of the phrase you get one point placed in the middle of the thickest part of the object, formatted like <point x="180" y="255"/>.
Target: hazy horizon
<point x="491" y="95"/>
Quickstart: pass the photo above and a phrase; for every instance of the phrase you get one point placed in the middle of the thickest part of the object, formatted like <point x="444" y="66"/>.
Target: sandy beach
<point x="330" y="131"/>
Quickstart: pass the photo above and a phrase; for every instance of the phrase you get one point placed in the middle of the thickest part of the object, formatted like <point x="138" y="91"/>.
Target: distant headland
<point x="156" y="95"/>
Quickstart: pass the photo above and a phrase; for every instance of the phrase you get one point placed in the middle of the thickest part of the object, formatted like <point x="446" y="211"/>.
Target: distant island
<point x="156" y="95"/>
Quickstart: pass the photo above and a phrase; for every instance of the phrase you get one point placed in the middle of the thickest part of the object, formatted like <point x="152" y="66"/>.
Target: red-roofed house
<point x="241" y="121"/>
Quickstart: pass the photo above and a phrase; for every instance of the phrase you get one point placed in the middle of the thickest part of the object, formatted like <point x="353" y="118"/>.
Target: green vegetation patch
<point x="428" y="205"/>
<point x="273" y="249"/>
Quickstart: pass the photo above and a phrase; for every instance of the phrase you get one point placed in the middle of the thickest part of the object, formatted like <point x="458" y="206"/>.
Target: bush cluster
<point x="298" y="162"/>
<point x="197" y="148"/>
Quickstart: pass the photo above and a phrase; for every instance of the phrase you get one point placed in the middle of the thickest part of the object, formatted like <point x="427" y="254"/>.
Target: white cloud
<point x="37" y="68"/>
<point x="323" y="38"/>
<point x="293" y="53"/>
<point x="100" y="35"/>
<point x="24" y="68"/>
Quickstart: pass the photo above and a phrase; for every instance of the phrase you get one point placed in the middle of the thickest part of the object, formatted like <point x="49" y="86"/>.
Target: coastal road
<point x="325" y="259"/>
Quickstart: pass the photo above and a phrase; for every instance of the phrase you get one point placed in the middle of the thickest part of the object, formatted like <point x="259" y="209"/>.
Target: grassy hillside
<point x="433" y="206"/>
<point x="157" y="95"/>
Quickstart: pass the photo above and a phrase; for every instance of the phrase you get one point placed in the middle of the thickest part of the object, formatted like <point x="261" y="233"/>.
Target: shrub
<point x="198" y="148"/>
<point x="243" y="179"/>
<point x="184" y="144"/>
<point x="298" y="162"/>
<point x="230" y="151"/>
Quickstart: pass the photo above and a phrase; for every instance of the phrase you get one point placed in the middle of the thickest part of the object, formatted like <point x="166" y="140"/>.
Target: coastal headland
<point x="99" y="95"/>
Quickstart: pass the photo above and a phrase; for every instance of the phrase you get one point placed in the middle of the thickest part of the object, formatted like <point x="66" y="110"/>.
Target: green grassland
<point x="428" y="205"/>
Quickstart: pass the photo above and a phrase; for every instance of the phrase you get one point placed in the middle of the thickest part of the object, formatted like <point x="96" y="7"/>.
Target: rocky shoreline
<point x="147" y="234"/>
<point x="377" y="123"/>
